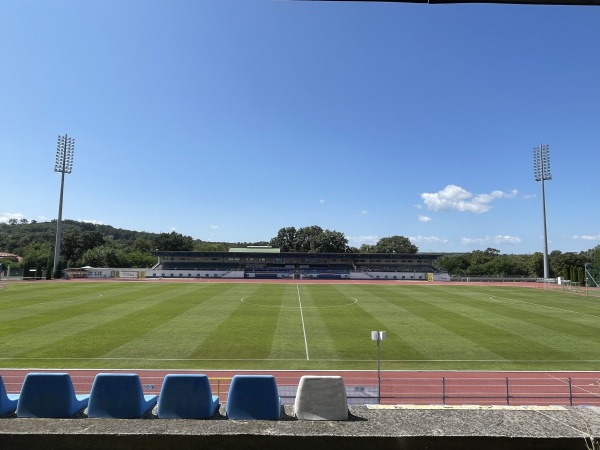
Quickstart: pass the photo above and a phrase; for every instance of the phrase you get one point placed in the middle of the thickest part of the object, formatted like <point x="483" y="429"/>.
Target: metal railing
<point x="493" y="391"/>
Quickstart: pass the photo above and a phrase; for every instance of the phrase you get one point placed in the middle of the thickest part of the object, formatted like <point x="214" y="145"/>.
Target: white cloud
<point x="5" y="217"/>
<point x="424" y="218"/>
<point x="507" y="240"/>
<point x="456" y="198"/>
<point x="428" y="240"/>
<point x="587" y="237"/>
<point x="95" y="222"/>
<point x="498" y="239"/>
<point x="357" y="241"/>
<point x="364" y="211"/>
<point x="214" y="227"/>
<point x="173" y="228"/>
<point x="322" y="200"/>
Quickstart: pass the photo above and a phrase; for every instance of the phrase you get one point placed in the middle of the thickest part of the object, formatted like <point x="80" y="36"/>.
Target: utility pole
<point x="378" y="336"/>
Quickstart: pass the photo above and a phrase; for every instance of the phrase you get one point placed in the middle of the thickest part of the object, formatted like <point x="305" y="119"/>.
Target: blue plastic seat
<point x="8" y="402"/>
<point x="49" y="395"/>
<point x="119" y="396"/>
<point x="186" y="396"/>
<point x="253" y="397"/>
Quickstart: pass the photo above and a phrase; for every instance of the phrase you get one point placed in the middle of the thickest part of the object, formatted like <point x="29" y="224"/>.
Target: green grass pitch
<point x="171" y="325"/>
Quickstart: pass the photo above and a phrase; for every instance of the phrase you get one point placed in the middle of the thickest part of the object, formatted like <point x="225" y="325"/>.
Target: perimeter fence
<point x="493" y="390"/>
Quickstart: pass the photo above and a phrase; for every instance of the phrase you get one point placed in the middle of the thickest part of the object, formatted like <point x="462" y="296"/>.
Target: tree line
<point x="314" y="239"/>
<point x="490" y="263"/>
<point x="98" y="245"/>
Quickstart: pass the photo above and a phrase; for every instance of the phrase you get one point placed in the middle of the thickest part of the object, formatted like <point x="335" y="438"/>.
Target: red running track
<point x="397" y="387"/>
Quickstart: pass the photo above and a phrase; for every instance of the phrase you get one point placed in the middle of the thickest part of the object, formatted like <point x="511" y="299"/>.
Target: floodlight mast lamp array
<point x="541" y="172"/>
<point x="65" y="149"/>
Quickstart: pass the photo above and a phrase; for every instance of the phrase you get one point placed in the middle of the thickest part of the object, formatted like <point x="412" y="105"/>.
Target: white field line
<point x="302" y="317"/>
<point x="517" y="301"/>
<point x="581" y="388"/>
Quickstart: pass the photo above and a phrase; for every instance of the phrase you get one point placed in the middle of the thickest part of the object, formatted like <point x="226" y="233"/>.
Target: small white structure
<point x="107" y="272"/>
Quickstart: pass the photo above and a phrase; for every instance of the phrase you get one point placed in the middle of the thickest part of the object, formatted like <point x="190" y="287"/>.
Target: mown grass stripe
<point x="484" y="333"/>
<point x="288" y="340"/>
<point x="345" y="332"/>
<point x="409" y="328"/>
<point x="248" y="328"/>
<point x="21" y="299"/>
<point x="180" y="335"/>
<point x="48" y="312"/>
<point x="99" y="332"/>
<point x="548" y="325"/>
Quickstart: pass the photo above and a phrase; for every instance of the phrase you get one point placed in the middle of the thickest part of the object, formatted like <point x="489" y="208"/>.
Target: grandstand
<point x="270" y="263"/>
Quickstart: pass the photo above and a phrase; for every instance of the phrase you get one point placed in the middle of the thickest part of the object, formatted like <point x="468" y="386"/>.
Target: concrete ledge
<point x="368" y="428"/>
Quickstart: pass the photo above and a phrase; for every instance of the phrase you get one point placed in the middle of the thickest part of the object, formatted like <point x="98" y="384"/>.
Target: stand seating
<point x="186" y="396"/>
<point x="253" y="397"/>
<point x="49" y="395"/>
<point x="119" y="396"/>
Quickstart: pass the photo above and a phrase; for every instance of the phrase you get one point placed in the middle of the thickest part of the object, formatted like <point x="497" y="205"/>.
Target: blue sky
<point x="226" y="120"/>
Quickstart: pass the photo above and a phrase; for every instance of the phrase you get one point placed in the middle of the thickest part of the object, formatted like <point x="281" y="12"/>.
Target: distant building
<point x="104" y="272"/>
<point x="10" y="255"/>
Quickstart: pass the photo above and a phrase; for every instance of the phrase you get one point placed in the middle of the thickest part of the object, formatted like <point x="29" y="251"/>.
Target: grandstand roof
<point x="254" y="249"/>
<point x="258" y="251"/>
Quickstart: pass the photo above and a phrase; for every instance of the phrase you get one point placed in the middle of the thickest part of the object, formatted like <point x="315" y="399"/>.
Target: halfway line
<point x="302" y="317"/>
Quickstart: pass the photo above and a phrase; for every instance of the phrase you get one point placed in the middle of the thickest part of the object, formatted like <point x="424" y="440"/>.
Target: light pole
<point x="541" y="172"/>
<point x="64" y="164"/>
<point x="378" y="336"/>
<point x="585" y="274"/>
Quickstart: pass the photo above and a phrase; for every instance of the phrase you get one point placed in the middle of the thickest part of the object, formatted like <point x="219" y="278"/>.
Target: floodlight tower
<point x="64" y="164"/>
<point x="541" y="172"/>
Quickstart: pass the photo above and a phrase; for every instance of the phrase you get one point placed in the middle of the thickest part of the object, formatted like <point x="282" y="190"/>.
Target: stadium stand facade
<point x="270" y="263"/>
